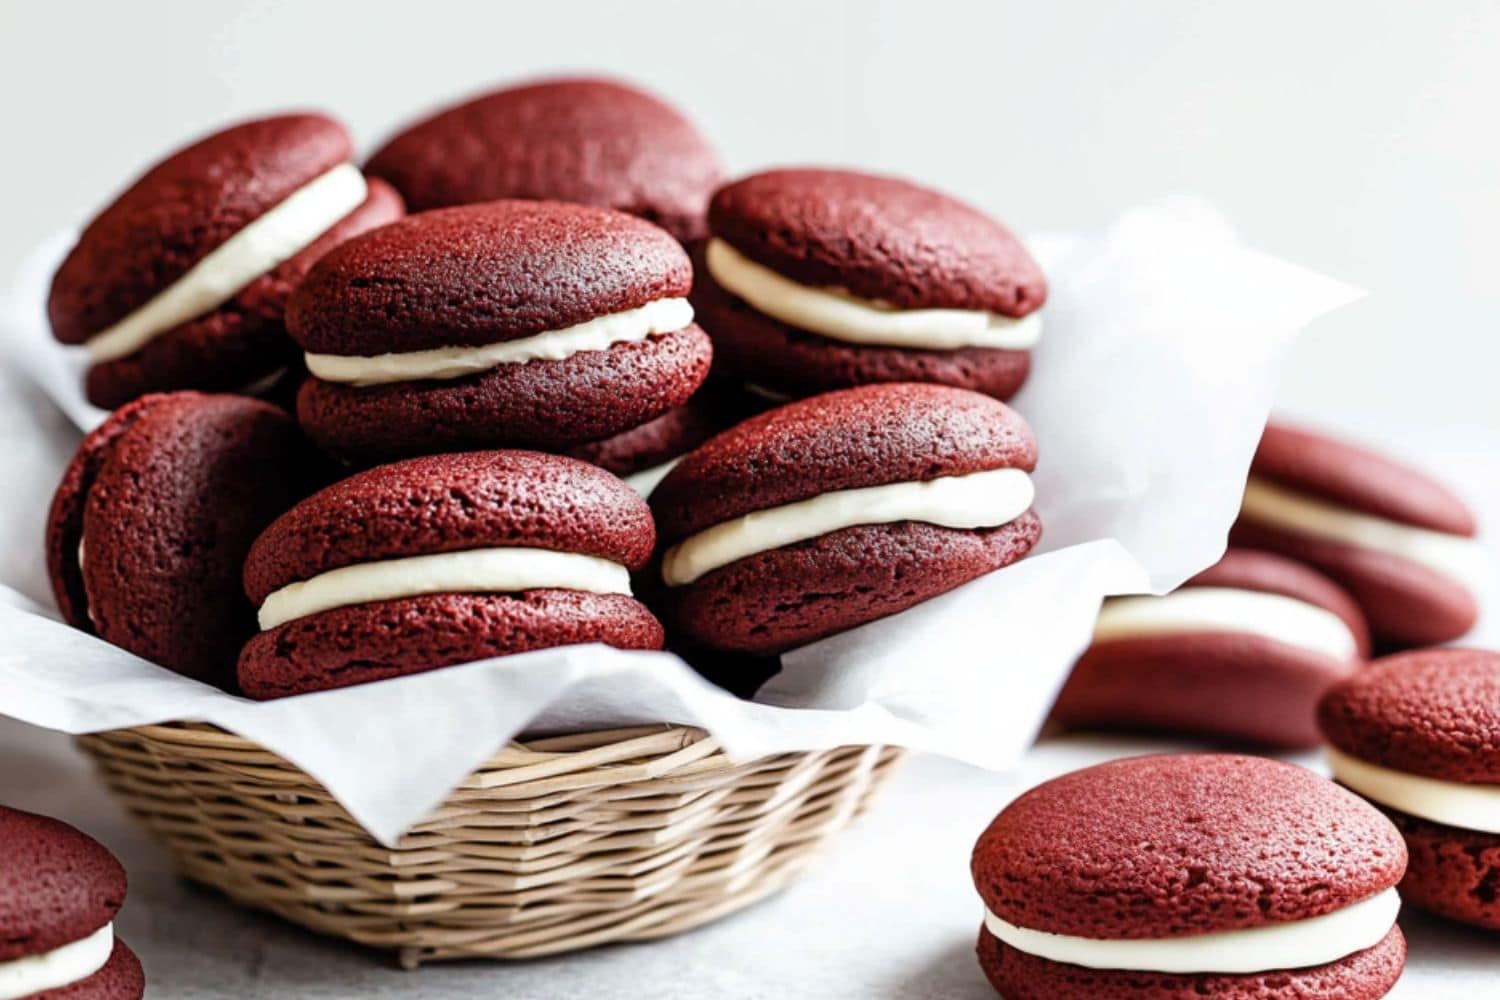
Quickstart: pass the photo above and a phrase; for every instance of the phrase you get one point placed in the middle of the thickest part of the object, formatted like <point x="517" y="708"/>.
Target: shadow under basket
<point x="553" y="845"/>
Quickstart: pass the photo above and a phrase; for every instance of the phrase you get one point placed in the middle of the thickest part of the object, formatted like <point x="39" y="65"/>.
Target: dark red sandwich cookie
<point x="1418" y="734"/>
<point x="180" y="283"/>
<point x="150" y="525"/>
<point x="59" y="892"/>
<point x="837" y="510"/>
<point x="444" y="560"/>
<point x="596" y="142"/>
<point x="1400" y="542"/>
<point x="1190" y="876"/>
<point x="1241" y="652"/>
<point x="822" y="279"/>
<point x="526" y="323"/>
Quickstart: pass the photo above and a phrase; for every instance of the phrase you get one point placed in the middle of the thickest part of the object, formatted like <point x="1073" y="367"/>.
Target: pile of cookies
<point x="537" y="375"/>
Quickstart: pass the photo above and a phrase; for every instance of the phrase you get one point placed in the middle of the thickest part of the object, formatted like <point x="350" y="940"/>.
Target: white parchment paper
<point x="1150" y="387"/>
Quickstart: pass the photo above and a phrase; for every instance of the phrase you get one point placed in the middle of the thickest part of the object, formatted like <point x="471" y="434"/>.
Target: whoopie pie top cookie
<point x="443" y="560"/>
<point x="1418" y="734"/>
<point x="1241" y="651"/>
<point x="820" y="279"/>
<point x="1195" y="875"/>
<point x="1399" y="541"/>
<point x="150" y="525"/>
<point x="596" y="142"/>
<point x="530" y="323"/>
<point x="59" y="892"/>
<point x="823" y="514"/>
<point x="181" y="281"/>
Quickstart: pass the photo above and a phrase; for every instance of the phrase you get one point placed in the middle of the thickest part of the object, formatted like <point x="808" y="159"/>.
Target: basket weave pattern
<point x="554" y="844"/>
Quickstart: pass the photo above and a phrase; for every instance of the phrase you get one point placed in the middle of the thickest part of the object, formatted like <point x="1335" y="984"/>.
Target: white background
<point x="1355" y="136"/>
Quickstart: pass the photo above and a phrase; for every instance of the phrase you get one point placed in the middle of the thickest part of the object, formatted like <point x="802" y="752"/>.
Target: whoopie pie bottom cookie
<point x="1183" y="877"/>
<point x="1418" y="735"/>
<point x="443" y="560"/>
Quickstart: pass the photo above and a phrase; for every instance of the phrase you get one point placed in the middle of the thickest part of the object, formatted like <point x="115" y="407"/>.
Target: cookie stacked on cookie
<point x="181" y="282"/>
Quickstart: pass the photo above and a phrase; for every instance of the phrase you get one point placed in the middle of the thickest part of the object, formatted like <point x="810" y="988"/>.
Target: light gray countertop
<point x="889" y="911"/>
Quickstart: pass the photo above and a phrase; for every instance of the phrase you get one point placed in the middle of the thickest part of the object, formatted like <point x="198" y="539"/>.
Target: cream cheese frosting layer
<point x="1296" y="944"/>
<point x="985" y="499"/>
<point x="1451" y="803"/>
<point x="472" y="571"/>
<point x="645" y="481"/>
<point x="72" y="963"/>
<point x="1228" y="609"/>
<point x="839" y="315"/>
<point x="598" y="334"/>
<point x="1454" y="556"/>
<point x="261" y="246"/>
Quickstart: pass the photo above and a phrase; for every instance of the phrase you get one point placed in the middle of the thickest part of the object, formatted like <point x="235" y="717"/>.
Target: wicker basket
<point x="553" y="845"/>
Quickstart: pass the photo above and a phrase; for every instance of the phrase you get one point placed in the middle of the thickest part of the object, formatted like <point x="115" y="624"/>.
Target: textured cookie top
<point x="480" y="274"/>
<point x="1433" y="712"/>
<point x="1250" y="569"/>
<point x="182" y="209"/>
<point x="869" y="436"/>
<point x="1156" y="847"/>
<point x="878" y="237"/>
<point x="596" y="142"/>
<point x="713" y="408"/>
<point x="1357" y="477"/>
<point x="57" y="884"/>
<point x="447" y="503"/>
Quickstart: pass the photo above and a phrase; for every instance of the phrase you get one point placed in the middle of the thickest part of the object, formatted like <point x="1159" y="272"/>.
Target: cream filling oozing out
<point x="985" y="499"/>
<point x="72" y="963"/>
<point x="597" y="334"/>
<point x="839" y="315"/>
<point x="1228" y="609"/>
<point x="1451" y="803"/>
<point x="472" y="571"/>
<point x="1295" y="944"/>
<point x="1454" y="556"/>
<point x="261" y="246"/>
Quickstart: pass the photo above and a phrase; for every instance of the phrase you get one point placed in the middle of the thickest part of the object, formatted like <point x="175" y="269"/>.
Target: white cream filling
<point x="835" y="313"/>
<point x="1228" y="609"/>
<point x="978" y="500"/>
<point x="645" y="481"/>
<point x="72" y="963"/>
<point x="1451" y="803"/>
<point x="1456" y="557"/>
<point x="277" y="236"/>
<point x="1296" y="944"/>
<point x="472" y="571"/>
<point x="598" y="334"/>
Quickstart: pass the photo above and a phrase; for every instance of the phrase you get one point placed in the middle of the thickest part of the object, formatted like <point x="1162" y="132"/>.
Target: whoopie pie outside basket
<point x="1399" y="541"/>
<point x="1418" y="735"/>
<point x="1240" y="652"/>
<point x="1201" y="875"/>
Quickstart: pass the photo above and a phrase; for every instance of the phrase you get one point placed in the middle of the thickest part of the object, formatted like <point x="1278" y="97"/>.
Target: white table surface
<point x="889" y="911"/>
